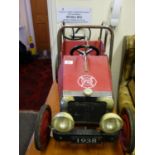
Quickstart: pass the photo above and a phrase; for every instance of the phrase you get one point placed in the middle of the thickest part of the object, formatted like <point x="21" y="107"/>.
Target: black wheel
<point x="128" y="131"/>
<point x="88" y="49"/>
<point x="42" y="130"/>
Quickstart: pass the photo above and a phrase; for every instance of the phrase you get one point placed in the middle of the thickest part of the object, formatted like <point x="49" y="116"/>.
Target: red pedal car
<point x="85" y="89"/>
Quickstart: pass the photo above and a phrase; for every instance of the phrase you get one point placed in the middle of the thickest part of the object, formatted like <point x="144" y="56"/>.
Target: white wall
<point x="98" y="15"/>
<point x="23" y="27"/>
<point x="25" y="22"/>
<point x="100" y="12"/>
<point x="125" y="27"/>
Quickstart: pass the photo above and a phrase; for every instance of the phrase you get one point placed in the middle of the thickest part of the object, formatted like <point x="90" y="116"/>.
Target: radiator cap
<point x="88" y="92"/>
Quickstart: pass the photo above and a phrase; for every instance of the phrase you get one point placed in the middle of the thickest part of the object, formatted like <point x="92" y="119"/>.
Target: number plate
<point x="88" y="140"/>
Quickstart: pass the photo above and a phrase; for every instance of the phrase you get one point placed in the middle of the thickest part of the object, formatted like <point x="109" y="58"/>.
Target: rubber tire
<point x="38" y="144"/>
<point x="131" y="117"/>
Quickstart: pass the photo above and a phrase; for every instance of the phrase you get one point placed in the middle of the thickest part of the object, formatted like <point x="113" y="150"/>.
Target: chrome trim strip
<point x="81" y="94"/>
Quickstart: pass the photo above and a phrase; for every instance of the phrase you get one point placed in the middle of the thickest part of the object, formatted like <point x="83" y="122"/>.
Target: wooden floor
<point x="67" y="148"/>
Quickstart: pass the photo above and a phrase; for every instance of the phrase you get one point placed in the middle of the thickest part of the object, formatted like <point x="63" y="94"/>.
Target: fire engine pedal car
<point x="85" y="88"/>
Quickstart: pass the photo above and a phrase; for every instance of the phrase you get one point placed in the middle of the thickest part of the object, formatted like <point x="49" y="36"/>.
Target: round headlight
<point x="111" y="123"/>
<point x="63" y="122"/>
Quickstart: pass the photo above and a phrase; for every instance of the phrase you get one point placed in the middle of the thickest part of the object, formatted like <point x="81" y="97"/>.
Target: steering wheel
<point x="88" y="50"/>
<point x="74" y="32"/>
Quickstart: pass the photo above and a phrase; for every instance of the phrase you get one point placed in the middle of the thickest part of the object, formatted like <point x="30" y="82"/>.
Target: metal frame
<point x="60" y="36"/>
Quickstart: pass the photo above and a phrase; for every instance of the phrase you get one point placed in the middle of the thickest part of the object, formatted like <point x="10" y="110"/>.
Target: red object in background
<point x="35" y="80"/>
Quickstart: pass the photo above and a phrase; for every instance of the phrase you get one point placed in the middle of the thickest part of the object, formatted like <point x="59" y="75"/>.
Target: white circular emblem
<point x="87" y="81"/>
